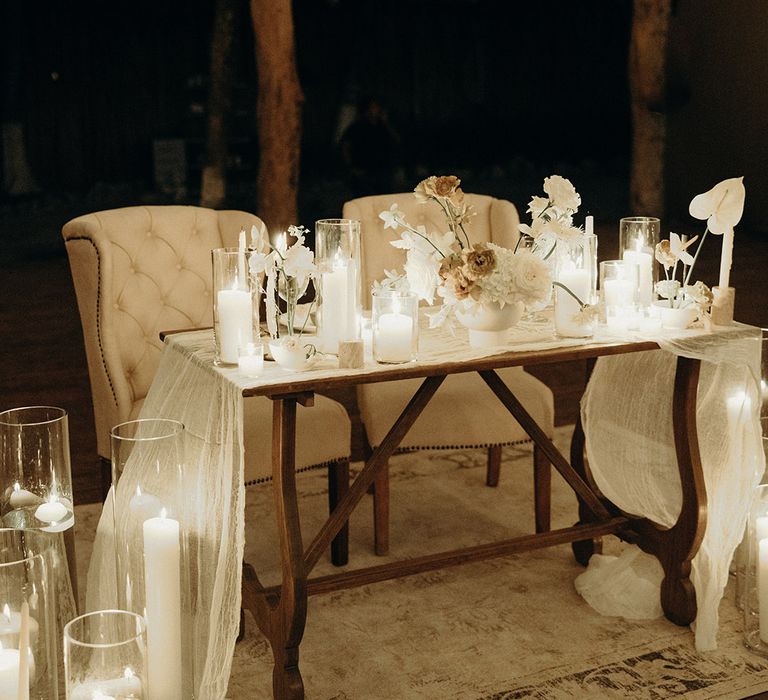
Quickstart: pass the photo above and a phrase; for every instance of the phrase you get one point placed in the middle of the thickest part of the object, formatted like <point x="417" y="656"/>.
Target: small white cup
<point x="250" y="359"/>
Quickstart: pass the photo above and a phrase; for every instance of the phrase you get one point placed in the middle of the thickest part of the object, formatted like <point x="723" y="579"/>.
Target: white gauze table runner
<point x="208" y="400"/>
<point x="627" y="417"/>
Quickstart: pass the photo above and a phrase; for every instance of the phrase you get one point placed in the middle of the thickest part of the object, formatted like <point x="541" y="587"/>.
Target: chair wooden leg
<point x="542" y="489"/>
<point x="381" y="512"/>
<point x="338" y="485"/>
<point x="494" y="466"/>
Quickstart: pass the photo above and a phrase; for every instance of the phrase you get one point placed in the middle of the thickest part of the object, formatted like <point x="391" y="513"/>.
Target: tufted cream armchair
<point x="140" y="270"/>
<point x="464" y="412"/>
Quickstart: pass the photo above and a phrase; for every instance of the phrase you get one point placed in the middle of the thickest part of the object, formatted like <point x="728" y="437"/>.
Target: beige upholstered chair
<point x="464" y="412"/>
<point x="141" y="270"/>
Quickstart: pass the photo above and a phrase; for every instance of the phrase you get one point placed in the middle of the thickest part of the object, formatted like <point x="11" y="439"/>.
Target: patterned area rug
<point x="508" y="628"/>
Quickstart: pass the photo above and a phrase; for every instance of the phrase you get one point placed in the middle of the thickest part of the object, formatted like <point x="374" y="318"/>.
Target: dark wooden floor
<point x="43" y="361"/>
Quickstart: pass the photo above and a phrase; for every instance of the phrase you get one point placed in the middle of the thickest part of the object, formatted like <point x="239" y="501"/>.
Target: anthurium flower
<point x="722" y="206"/>
<point x="678" y="249"/>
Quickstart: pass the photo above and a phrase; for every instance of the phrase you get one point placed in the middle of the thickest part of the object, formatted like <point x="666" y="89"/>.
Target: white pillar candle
<point x="23" y="693"/>
<point x="235" y="312"/>
<point x="117" y="688"/>
<point x="10" y="627"/>
<point x="162" y="585"/>
<point x="339" y="312"/>
<point x="644" y="262"/>
<point x="251" y="360"/>
<point x="393" y="338"/>
<point x="617" y="293"/>
<point x="566" y="307"/>
<point x="725" y="259"/>
<point x="9" y="674"/>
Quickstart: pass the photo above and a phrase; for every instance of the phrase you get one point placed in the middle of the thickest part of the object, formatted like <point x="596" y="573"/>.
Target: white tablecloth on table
<point x="208" y="400"/>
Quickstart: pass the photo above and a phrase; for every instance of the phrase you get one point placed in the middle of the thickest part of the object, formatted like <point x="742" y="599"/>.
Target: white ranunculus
<point x="562" y="193"/>
<point x="722" y="206"/>
<point x="299" y="261"/>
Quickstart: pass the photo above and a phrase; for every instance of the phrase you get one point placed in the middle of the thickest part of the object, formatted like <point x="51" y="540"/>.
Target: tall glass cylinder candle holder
<point x="28" y="632"/>
<point x="339" y="281"/>
<point x="576" y="286"/>
<point x="395" y="326"/>
<point x="35" y="473"/>
<point x="105" y="656"/>
<point x="618" y="284"/>
<point x="153" y="520"/>
<point x="638" y="236"/>
<point x="235" y="303"/>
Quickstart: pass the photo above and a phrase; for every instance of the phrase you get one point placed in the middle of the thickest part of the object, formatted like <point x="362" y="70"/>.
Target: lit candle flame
<point x="17" y="486"/>
<point x="163" y="513"/>
<point x="138" y="490"/>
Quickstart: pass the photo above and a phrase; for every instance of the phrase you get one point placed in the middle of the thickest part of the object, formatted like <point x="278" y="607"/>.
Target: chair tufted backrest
<point x="138" y="271"/>
<point x="495" y="220"/>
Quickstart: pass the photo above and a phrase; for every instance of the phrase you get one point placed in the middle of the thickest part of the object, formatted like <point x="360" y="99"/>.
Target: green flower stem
<point x="306" y="318"/>
<point x="445" y="206"/>
<point x="581" y="304"/>
<point x="695" y="257"/>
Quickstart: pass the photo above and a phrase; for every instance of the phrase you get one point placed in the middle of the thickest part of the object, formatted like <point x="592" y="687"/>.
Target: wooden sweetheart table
<point x="280" y="611"/>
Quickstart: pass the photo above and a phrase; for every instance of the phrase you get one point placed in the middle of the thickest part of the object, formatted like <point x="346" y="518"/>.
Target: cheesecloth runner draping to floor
<point x="208" y="400"/>
<point x="631" y="452"/>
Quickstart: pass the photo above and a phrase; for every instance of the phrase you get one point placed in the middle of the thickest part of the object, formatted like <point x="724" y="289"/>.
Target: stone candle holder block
<point x="351" y="354"/>
<point x="722" y="306"/>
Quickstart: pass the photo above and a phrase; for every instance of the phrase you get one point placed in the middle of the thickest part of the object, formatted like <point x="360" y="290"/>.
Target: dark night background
<point x="502" y="93"/>
<point x="499" y="92"/>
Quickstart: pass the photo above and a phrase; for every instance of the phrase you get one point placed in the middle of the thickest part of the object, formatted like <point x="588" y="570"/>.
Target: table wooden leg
<point x="675" y="547"/>
<point x="291" y="611"/>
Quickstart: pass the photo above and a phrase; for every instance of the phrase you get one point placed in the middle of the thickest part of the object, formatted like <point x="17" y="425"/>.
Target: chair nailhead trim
<point x="98" y="311"/>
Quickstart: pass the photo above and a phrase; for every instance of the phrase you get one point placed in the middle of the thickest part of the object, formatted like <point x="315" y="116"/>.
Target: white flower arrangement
<point x="449" y="266"/>
<point x="722" y="208"/>
<point x="288" y="269"/>
<point x="552" y="216"/>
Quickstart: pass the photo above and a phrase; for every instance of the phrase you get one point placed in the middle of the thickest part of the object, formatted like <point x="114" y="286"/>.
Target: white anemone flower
<point x="722" y="206"/>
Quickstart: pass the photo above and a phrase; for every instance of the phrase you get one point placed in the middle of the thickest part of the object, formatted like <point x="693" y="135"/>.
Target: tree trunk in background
<point x="278" y="113"/>
<point x="213" y="189"/>
<point x="647" y="81"/>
